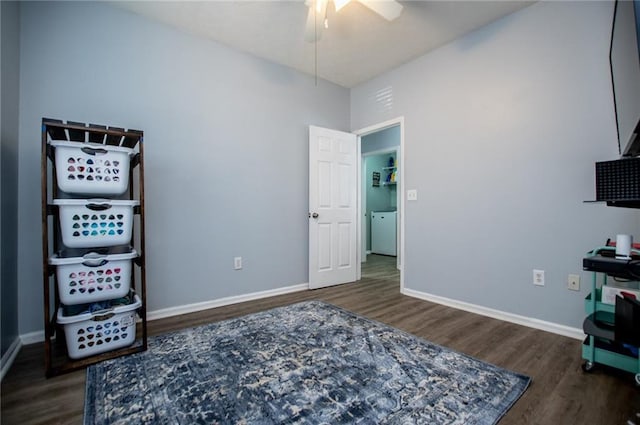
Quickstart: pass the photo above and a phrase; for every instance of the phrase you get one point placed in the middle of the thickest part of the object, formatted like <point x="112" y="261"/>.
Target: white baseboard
<point x="9" y="356"/>
<point x="32" y="337"/>
<point x="576" y="333"/>
<point x="530" y="322"/>
<point x="192" y="308"/>
<point x="38" y="336"/>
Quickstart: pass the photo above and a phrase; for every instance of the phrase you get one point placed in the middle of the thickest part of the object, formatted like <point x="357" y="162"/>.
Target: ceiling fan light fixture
<point x="339" y="4"/>
<point x="388" y="9"/>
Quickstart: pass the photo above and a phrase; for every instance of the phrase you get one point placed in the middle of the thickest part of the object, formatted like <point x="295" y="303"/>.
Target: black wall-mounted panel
<point x="618" y="180"/>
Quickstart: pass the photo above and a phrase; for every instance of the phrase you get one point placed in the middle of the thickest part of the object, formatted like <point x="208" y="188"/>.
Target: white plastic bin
<point x="93" y="277"/>
<point x="87" y="223"/>
<point x="92" y="169"/>
<point x="93" y="333"/>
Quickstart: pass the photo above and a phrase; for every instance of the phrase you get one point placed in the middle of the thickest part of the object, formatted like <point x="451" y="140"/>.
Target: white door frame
<point x="400" y="188"/>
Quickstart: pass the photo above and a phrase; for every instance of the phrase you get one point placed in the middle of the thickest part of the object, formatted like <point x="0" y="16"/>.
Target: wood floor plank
<point x="559" y="394"/>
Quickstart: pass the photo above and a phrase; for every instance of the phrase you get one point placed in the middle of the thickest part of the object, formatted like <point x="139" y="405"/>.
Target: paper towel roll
<point x="623" y="246"/>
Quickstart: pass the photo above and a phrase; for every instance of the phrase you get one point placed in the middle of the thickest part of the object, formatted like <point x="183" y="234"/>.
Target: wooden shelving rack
<point x="56" y="360"/>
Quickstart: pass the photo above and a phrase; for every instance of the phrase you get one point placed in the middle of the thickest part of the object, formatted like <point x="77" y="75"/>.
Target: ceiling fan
<point x="317" y="16"/>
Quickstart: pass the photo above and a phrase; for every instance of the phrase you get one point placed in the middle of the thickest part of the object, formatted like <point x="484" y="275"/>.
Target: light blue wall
<point x="502" y="129"/>
<point x="226" y="147"/>
<point x="10" y="50"/>
<point x="384" y="139"/>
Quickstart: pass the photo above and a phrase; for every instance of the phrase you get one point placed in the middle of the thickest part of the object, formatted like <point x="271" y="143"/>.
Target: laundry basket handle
<point x="103" y="317"/>
<point x="94" y="260"/>
<point x="94" y="151"/>
<point x="98" y="207"/>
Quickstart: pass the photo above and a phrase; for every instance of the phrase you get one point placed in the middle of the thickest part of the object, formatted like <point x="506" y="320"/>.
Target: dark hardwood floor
<point x="560" y="392"/>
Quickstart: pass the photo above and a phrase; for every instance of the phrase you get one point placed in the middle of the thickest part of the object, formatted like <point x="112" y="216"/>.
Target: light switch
<point x="412" y="195"/>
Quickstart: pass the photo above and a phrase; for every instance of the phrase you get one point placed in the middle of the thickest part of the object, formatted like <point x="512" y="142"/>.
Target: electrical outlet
<point x="237" y="263"/>
<point x="573" y="282"/>
<point x="538" y="277"/>
<point x="412" y="195"/>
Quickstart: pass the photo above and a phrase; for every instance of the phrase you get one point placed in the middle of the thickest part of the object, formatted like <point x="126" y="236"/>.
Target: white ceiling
<point x="357" y="46"/>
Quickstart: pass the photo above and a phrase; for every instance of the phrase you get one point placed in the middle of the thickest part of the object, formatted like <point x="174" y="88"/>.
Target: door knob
<point x="314" y="215"/>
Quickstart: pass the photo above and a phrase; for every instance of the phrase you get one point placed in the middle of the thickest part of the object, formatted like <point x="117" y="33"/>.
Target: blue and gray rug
<point x="308" y="363"/>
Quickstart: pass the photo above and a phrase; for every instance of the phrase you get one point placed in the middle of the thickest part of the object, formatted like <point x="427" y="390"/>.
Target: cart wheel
<point x="588" y="367"/>
<point x="637" y="379"/>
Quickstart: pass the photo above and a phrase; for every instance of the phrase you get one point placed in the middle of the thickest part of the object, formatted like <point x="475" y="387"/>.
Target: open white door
<point x="332" y="207"/>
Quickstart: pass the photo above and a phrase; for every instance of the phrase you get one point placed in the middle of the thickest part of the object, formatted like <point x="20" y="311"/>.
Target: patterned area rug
<point x="310" y="363"/>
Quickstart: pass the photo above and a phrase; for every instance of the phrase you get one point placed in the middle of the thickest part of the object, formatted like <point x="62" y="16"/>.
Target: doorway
<point x="379" y="196"/>
<point x="380" y="162"/>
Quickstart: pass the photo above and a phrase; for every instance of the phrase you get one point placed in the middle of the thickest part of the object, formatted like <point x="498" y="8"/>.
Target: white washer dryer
<point x="383" y="232"/>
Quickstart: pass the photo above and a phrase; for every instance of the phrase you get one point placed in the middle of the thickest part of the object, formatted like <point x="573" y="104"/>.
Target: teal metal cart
<point x="600" y="345"/>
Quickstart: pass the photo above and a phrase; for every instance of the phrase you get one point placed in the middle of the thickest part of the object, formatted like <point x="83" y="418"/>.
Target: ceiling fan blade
<point x="313" y="29"/>
<point x="388" y="9"/>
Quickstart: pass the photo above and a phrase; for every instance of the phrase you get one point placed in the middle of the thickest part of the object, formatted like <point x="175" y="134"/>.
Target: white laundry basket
<point x="93" y="277"/>
<point x="87" y="334"/>
<point x="87" y="223"/>
<point x="91" y="169"/>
